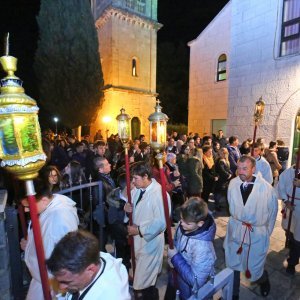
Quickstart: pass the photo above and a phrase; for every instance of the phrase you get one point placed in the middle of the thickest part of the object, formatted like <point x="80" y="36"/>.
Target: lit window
<point x="290" y="31"/>
<point x="134" y="68"/>
<point x="221" y="72"/>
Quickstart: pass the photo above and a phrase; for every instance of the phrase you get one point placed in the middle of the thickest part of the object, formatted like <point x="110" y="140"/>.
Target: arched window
<point x="134" y="67"/>
<point x="221" y="71"/>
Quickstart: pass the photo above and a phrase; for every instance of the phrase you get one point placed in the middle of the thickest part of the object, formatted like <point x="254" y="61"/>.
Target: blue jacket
<point x="196" y="256"/>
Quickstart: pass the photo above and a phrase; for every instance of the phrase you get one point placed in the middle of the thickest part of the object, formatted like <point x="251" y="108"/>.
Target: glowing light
<point x="106" y="119"/>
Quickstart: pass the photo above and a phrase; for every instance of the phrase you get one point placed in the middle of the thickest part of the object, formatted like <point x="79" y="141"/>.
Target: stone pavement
<point x="283" y="286"/>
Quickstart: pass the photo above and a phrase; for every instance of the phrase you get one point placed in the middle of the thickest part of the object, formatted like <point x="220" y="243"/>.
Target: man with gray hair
<point x="253" y="208"/>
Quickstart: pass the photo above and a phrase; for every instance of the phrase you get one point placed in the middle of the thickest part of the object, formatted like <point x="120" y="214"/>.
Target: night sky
<point x="183" y="21"/>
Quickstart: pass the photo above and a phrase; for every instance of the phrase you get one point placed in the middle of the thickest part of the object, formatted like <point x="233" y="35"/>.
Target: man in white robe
<point x="83" y="273"/>
<point x="262" y="164"/>
<point x="285" y="190"/>
<point x="253" y="207"/>
<point x="148" y="231"/>
<point x="57" y="216"/>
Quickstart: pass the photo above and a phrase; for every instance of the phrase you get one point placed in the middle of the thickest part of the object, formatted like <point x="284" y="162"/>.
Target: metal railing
<point x="222" y="281"/>
<point x="90" y="204"/>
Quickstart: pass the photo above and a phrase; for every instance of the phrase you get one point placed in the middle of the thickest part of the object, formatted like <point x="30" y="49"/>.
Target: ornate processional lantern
<point x="124" y="134"/>
<point x="20" y="145"/>
<point x="258" y="115"/>
<point x="158" y="128"/>
<point x="20" y="148"/>
<point x="123" y="126"/>
<point x="158" y="136"/>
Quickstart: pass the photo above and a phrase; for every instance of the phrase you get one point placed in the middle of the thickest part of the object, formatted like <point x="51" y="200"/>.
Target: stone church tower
<point x="127" y="33"/>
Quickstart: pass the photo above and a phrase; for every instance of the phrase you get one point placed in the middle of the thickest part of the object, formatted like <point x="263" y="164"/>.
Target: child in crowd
<point x="193" y="256"/>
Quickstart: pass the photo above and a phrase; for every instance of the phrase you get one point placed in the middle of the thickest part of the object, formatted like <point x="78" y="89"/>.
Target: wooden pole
<point x="159" y="157"/>
<point x="38" y="239"/>
<point x="293" y="199"/>
<point x="254" y="138"/>
<point x="130" y="238"/>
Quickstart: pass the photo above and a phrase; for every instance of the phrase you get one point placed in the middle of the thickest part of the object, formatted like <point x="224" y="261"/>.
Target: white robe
<point x="260" y="211"/>
<point x="148" y="214"/>
<point x="285" y="191"/>
<point x="59" y="218"/>
<point x="264" y="168"/>
<point x="111" y="285"/>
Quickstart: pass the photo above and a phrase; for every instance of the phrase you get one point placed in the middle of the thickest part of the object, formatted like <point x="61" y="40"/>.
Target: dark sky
<point x="182" y="20"/>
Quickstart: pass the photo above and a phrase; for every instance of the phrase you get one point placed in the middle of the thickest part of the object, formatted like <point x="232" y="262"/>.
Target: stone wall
<point x="207" y="96"/>
<point x="257" y="70"/>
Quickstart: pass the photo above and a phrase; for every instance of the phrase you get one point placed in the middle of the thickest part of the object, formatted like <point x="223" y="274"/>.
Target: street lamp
<point x="158" y="135"/>
<point x="55" y="119"/>
<point x="258" y="115"/>
<point x="21" y="147"/>
<point x="124" y="134"/>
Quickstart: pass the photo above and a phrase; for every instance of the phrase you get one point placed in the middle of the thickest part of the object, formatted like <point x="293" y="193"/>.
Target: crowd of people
<point x="236" y="179"/>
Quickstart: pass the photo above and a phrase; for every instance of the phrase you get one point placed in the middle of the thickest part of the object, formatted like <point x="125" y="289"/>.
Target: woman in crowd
<point x="51" y="176"/>
<point x="209" y="174"/>
<point x="216" y="148"/>
<point x="245" y="148"/>
<point x="282" y="154"/>
<point x="194" y="180"/>
<point x="271" y="157"/>
<point x="73" y="175"/>
<point x="224" y="173"/>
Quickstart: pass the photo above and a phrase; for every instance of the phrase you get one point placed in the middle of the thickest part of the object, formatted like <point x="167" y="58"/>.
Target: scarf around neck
<point x="209" y="161"/>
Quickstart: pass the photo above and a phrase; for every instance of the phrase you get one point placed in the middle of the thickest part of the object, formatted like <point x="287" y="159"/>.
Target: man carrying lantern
<point x="253" y="208"/>
<point x="147" y="229"/>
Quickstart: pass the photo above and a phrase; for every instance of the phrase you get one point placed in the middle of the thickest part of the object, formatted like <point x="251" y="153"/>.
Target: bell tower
<point x="127" y="33"/>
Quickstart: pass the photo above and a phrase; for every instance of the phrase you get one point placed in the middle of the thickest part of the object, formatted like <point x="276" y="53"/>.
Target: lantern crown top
<point x="9" y="65"/>
<point x="122" y="115"/>
<point x="158" y="115"/>
<point x="259" y="109"/>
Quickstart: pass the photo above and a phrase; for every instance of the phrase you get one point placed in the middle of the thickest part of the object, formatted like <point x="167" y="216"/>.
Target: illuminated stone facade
<point x="127" y="32"/>
<point x="249" y="33"/>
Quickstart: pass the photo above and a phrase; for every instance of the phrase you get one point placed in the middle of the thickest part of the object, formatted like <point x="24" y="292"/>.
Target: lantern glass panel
<point x="123" y="129"/>
<point x="153" y="132"/>
<point x="162" y="132"/>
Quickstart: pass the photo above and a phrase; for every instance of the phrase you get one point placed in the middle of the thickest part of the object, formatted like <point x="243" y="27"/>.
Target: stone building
<point x="250" y="50"/>
<point x="127" y="32"/>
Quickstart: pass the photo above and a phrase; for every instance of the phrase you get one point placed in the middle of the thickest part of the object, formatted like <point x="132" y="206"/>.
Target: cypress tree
<point x="67" y="61"/>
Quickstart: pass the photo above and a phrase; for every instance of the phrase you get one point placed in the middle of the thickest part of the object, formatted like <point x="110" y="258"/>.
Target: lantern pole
<point x="158" y="133"/>
<point x="294" y="188"/>
<point x="21" y="148"/>
<point x="124" y="133"/>
<point x="39" y="246"/>
<point x="258" y="115"/>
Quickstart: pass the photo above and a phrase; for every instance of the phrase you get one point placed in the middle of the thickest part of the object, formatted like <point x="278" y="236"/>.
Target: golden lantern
<point x="259" y="110"/>
<point x="20" y="148"/>
<point x="158" y="128"/>
<point x="123" y="126"/>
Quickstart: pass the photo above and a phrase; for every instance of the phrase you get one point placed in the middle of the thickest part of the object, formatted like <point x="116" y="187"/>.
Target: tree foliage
<point x="67" y="61"/>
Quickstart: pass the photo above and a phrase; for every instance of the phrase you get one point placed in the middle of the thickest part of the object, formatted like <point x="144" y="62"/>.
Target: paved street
<point x="283" y="286"/>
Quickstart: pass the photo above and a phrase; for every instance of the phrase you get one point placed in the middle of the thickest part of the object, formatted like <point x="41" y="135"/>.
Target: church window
<point x="134" y="67"/>
<point x="221" y="71"/>
<point x="141" y="6"/>
<point x="290" y="31"/>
